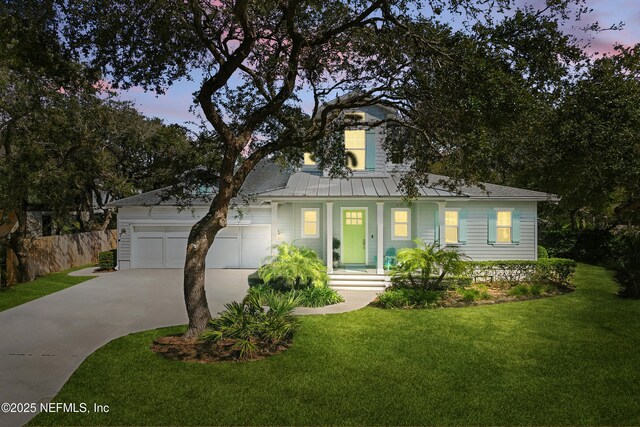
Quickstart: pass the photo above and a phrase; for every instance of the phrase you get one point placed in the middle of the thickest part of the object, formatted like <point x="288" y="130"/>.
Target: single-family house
<point x="365" y="212"/>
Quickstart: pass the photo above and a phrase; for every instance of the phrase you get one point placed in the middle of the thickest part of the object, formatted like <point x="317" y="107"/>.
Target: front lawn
<point x="42" y="286"/>
<point x="567" y="360"/>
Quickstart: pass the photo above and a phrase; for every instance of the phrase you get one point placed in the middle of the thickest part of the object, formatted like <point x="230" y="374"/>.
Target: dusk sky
<point x="173" y="107"/>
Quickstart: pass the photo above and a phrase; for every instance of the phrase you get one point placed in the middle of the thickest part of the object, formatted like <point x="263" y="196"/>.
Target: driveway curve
<point x="44" y="341"/>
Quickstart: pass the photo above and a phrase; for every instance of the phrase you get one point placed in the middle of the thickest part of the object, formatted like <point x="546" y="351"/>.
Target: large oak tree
<point x="259" y="60"/>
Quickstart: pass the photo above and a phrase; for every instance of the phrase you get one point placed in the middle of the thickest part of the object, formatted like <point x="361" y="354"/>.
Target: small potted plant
<point x="336" y="252"/>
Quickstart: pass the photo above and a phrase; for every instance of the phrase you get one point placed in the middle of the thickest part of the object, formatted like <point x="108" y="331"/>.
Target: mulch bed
<point x="176" y="347"/>
<point x="497" y="295"/>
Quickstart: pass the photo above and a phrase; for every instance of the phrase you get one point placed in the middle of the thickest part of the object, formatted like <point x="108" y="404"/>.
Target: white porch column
<point x="329" y="234"/>
<point x="380" y="220"/>
<point x="274" y="226"/>
<point x="441" y="217"/>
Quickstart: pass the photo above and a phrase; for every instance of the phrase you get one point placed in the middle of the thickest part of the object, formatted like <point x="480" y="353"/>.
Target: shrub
<point x="626" y="253"/>
<point x="308" y="297"/>
<point x="107" y="260"/>
<point x="478" y="292"/>
<point x="556" y="271"/>
<point x="408" y="298"/>
<point x="542" y="252"/>
<point x="530" y="290"/>
<point x="293" y="267"/>
<point x="248" y="329"/>
<point x="418" y="267"/>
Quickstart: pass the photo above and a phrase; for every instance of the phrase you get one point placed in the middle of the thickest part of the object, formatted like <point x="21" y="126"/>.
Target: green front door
<point x="354" y="236"/>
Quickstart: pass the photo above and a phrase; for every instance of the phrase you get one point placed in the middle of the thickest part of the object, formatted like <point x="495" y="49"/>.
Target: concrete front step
<point x="369" y="282"/>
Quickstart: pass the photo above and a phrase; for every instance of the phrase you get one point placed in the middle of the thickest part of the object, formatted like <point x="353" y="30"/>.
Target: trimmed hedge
<point x="108" y="260"/>
<point x="447" y="283"/>
<point x="555" y="271"/>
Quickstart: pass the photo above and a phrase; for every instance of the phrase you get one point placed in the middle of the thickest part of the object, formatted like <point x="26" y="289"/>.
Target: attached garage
<point x="165" y="246"/>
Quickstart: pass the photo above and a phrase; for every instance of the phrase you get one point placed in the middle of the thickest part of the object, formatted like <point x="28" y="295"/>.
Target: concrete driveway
<point x="44" y="341"/>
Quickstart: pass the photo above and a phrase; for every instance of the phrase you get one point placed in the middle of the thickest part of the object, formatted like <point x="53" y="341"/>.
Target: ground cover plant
<point x="569" y="360"/>
<point x="259" y="326"/>
<point x="42" y="286"/>
<point x="296" y="272"/>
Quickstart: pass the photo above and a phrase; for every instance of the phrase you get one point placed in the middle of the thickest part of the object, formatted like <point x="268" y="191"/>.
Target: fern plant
<point x="295" y="267"/>
<point x="426" y="265"/>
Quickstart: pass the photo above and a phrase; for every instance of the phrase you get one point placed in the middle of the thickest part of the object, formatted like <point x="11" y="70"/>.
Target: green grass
<point x="566" y="360"/>
<point x="42" y="286"/>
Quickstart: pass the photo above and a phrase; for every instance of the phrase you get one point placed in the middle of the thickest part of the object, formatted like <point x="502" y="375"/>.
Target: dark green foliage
<point x="294" y="267"/>
<point x="408" y="298"/>
<point x="107" y="260"/>
<point x="417" y="267"/>
<point x="309" y="297"/>
<point x="555" y="271"/>
<point x="626" y="253"/>
<point x="261" y="323"/>
<point x="433" y="282"/>
<point x="478" y="292"/>
<point x="530" y="290"/>
<point x="590" y="245"/>
<point x="542" y="252"/>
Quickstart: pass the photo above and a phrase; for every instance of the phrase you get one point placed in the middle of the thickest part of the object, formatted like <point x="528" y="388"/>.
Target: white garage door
<point x="166" y="246"/>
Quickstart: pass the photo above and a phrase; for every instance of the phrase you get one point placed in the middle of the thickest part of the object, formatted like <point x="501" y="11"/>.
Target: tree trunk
<point x="200" y="240"/>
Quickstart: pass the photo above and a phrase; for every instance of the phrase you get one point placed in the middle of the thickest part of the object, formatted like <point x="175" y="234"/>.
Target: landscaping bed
<point x="477" y="294"/>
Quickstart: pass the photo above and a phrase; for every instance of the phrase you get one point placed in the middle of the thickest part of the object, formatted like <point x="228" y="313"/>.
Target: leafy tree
<point x="258" y="59"/>
<point x="62" y="146"/>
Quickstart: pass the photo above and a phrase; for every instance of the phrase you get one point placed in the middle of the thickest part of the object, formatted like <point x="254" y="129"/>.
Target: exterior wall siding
<point x="422" y="226"/>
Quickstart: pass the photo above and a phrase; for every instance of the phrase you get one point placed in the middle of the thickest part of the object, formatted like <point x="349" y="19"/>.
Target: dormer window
<point x="355" y="142"/>
<point x="308" y="160"/>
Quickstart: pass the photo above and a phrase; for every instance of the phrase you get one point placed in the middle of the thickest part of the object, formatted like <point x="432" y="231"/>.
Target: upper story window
<point x="400" y="224"/>
<point x="308" y="160"/>
<point x="452" y="227"/>
<point x="310" y="222"/>
<point x="504" y="226"/>
<point x="355" y="142"/>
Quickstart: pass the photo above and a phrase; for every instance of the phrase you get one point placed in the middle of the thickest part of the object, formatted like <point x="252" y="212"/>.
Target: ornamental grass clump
<point x="256" y="327"/>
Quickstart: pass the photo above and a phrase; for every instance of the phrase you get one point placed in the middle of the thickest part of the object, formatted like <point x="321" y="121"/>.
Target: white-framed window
<point x="310" y="223"/>
<point x="308" y="160"/>
<point x="504" y="226"/>
<point x="452" y="226"/>
<point x="400" y="224"/>
<point x="355" y="142"/>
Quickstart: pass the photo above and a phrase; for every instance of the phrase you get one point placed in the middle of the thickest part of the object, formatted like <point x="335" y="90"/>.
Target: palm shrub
<point x="260" y="324"/>
<point x="294" y="267"/>
<point x="309" y="297"/>
<point x="426" y="266"/>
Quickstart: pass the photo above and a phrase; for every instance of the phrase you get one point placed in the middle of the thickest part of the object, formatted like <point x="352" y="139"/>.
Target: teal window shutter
<point x="515" y="226"/>
<point x="370" y="150"/>
<point x="491" y="226"/>
<point x="436" y="227"/>
<point x="462" y="226"/>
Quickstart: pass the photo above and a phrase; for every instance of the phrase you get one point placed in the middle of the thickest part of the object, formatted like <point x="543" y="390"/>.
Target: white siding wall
<point x="159" y="215"/>
<point x="290" y="226"/>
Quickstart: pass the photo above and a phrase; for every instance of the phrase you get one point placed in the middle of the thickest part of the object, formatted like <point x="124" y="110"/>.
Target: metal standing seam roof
<point x="304" y="184"/>
<point x="269" y="180"/>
